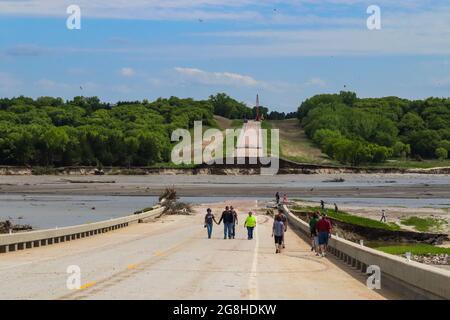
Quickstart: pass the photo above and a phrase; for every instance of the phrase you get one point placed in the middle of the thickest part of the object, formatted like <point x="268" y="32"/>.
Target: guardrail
<point x="31" y="239"/>
<point x="411" y="279"/>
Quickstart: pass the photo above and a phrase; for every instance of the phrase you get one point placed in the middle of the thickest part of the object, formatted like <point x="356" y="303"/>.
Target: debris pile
<point x="168" y="195"/>
<point x="168" y="200"/>
<point x="6" y="225"/>
<point x="335" y="180"/>
<point x="173" y="207"/>
<point x="439" y="259"/>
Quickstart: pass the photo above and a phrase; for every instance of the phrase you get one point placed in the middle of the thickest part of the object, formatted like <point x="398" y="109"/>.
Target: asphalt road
<point x="171" y="258"/>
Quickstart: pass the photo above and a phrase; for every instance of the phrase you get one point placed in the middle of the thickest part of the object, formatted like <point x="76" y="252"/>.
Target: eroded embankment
<point x="285" y="167"/>
<point x="356" y="233"/>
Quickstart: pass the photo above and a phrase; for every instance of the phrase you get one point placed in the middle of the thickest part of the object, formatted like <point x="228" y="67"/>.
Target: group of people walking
<point x="278" y="199"/>
<point x="319" y="224"/>
<point x="230" y="221"/>
<point x="320" y="230"/>
<point x="229" y="218"/>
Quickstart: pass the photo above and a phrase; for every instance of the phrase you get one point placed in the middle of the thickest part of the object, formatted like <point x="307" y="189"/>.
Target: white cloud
<point x="8" y="82"/>
<point x="124" y="89"/>
<point x="217" y="78"/>
<point x="195" y="9"/>
<point x="46" y="83"/>
<point x="407" y="31"/>
<point x="58" y="86"/>
<point x="77" y="71"/>
<point x="24" y="50"/>
<point x="316" y="82"/>
<point x="127" y="72"/>
<point x="136" y="9"/>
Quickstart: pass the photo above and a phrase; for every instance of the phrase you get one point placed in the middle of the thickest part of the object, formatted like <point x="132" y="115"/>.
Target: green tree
<point x="441" y="153"/>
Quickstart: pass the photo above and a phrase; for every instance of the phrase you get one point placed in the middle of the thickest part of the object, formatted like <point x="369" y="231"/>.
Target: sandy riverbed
<point x="355" y="185"/>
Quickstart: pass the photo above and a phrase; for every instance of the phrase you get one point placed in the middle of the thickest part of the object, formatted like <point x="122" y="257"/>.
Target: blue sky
<point x="285" y="50"/>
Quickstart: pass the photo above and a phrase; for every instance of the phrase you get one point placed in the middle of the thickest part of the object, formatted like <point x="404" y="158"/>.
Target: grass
<point x="143" y="210"/>
<point x="171" y="165"/>
<point x="237" y="123"/>
<point x="44" y="171"/>
<point x="295" y="145"/>
<point x="413" y="164"/>
<point x="352" y="219"/>
<point x="222" y="122"/>
<point x="267" y="143"/>
<point x="424" y="224"/>
<point x="416" y="249"/>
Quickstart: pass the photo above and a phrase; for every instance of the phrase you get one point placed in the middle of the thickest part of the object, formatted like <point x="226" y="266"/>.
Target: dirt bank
<point x="356" y="233"/>
<point x="296" y="186"/>
<point x="285" y="167"/>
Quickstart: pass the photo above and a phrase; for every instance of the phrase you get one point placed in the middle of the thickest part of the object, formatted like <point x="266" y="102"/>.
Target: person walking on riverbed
<point x="250" y="224"/>
<point x="285" y="200"/>
<point x="209" y="219"/>
<point x="228" y="221"/>
<point x="383" y="216"/>
<point x="278" y="230"/>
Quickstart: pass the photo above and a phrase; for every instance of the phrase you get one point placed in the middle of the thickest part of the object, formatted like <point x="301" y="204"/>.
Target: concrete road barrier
<point x="411" y="279"/>
<point x="28" y="240"/>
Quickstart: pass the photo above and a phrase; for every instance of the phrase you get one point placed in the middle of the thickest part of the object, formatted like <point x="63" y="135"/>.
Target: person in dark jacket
<point x="235" y="220"/>
<point x="209" y="219"/>
<point x="228" y="221"/>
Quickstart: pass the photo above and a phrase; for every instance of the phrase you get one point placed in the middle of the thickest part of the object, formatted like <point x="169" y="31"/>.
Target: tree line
<point x="85" y="131"/>
<point x="49" y="131"/>
<point x="357" y="131"/>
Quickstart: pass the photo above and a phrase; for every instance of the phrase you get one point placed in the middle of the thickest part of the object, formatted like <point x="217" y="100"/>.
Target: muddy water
<point x="49" y="211"/>
<point x="49" y="201"/>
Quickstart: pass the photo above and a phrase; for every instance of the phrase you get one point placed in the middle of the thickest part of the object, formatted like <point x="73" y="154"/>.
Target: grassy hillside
<point x="222" y="122"/>
<point x="295" y="145"/>
<point x="351" y="219"/>
<point x="365" y="131"/>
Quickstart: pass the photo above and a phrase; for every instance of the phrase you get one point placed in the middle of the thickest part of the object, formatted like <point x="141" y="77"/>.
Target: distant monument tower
<point x="258" y="115"/>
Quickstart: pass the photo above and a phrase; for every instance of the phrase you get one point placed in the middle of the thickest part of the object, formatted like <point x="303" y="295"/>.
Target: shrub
<point x="441" y="153"/>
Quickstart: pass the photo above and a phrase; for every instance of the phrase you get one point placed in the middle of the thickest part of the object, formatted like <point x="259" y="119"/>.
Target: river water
<point x="50" y="211"/>
<point x="38" y="201"/>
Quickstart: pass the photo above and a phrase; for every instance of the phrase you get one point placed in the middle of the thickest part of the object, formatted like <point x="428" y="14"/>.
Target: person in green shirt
<point x="250" y="224"/>
<point x="313" y="231"/>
